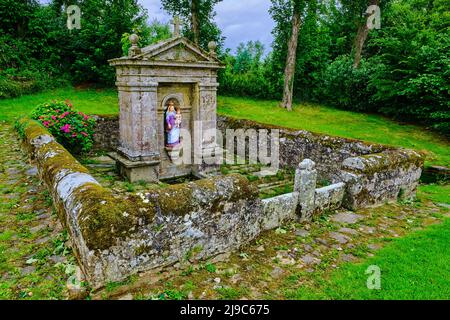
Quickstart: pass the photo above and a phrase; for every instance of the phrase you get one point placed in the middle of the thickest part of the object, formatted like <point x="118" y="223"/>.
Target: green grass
<point x="414" y="267"/>
<point x="88" y="101"/>
<point x="321" y="119"/>
<point x="310" y="117"/>
<point x="435" y="192"/>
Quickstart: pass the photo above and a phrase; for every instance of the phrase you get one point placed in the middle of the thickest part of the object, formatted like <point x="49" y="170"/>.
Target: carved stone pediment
<point x="176" y="50"/>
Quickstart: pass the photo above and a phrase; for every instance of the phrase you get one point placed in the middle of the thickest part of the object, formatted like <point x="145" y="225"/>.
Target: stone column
<point x="205" y="126"/>
<point x="138" y="122"/>
<point x="305" y="185"/>
<point x="138" y="155"/>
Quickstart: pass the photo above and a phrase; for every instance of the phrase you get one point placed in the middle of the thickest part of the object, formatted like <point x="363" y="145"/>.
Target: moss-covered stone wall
<point x="115" y="237"/>
<point x="327" y="152"/>
<point x="106" y="136"/>
<point x="381" y="177"/>
<point x="373" y="173"/>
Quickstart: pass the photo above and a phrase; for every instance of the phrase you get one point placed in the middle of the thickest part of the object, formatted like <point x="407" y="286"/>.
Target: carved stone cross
<point x="176" y="26"/>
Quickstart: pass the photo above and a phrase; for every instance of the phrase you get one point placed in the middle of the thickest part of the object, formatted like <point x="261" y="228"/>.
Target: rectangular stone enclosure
<point x="150" y="79"/>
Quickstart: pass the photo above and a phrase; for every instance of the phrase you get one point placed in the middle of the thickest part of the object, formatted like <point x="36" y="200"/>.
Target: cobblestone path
<point x="35" y="262"/>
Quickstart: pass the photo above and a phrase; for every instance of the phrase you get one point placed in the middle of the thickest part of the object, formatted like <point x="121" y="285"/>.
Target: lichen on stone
<point x="105" y="218"/>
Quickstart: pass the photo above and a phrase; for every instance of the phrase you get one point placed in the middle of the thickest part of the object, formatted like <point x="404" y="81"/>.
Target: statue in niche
<point x="173" y="121"/>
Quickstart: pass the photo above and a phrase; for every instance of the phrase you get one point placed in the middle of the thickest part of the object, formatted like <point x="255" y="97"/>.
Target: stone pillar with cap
<point x="212" y="46"/>
<point x="305" y="185"/>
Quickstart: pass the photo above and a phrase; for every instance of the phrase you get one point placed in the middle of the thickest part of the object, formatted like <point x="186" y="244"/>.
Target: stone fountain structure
<point x="177" y="71"/>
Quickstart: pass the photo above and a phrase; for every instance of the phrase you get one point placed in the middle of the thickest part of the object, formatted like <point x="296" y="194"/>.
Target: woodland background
<point x="401" y="70"/>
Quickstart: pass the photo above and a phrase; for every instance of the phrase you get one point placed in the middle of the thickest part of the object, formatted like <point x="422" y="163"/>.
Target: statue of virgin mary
<point x="172" y="130"/>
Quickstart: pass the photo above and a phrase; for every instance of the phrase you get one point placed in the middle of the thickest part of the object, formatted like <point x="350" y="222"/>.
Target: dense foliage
<point x="404" y="72"/>
<point x="37" y="50"/>
<point x="73" y="129"/>
<point x="208" y="29"/>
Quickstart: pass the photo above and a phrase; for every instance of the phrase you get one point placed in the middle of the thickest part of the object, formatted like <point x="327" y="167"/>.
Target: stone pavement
<point x="35" y="259"/>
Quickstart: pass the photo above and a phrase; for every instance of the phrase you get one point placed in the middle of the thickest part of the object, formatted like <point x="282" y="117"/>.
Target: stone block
<point x="329" y="198"/>
<point x="136" y="171"/>
<point x="279" y="210"/>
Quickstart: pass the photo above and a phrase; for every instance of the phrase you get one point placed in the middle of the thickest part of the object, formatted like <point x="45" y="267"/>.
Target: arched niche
<point x="177" y="98"/>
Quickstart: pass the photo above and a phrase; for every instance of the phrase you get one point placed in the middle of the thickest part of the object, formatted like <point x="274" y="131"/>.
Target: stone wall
<point x="305" y="202"/>
<point x="368" y="181"/>
<point x="114" y="237"/>
<point x="378" y="178"/>
<point x="327" y="152"/>
<point x="106" y="136"/>
<point x="373" y="174"/>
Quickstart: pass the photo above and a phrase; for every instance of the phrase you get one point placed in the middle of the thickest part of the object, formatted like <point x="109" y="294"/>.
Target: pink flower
<point x="53" y="117"/>
<point x="64" y="115"/>
<point x="74" y="135"/>
<point x="45" y="124"/>
<point x="86" y="118"/>
<point x="65" y="128"/>
<point x="84" y="134"/>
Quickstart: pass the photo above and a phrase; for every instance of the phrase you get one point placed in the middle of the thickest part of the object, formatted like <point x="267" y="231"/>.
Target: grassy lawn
<point x="341" y="123"/>
<point x="315" y="118"/>
<point x="413" y="267"/>
<point x="88" y="101"/>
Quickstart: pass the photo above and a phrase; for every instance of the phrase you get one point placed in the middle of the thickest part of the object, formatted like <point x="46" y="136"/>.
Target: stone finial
<point x="134" y="50"/>
<point x="176" y="26"/>
<point x="212" y="46"/>
<point x="307" y="164"/>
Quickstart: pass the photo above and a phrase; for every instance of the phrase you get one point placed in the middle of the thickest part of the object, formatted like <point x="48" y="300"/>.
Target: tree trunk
<point x="361" y="37"/>
<point x="195" y="23"/>
<point x="289" y="71"/>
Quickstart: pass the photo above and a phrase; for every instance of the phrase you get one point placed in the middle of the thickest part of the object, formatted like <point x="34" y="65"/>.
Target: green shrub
<point x="25" y="83"/>
<point x="73" y="129"/>
<point x="347" y="87"/>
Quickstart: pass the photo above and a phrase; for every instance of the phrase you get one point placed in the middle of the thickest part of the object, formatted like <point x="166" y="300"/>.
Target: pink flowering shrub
<point x="73" y="129"/>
